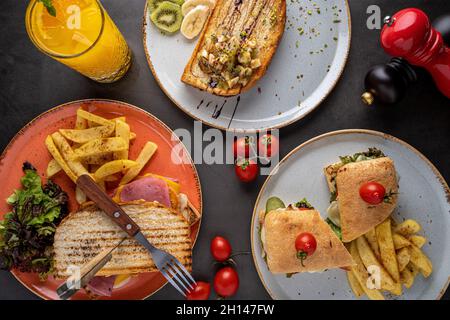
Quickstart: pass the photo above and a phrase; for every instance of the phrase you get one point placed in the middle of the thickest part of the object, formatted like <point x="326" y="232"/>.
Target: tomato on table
<point x="246" y="170"/>
<point x="220" y="248"/>
<point x="268" y="145"/>
<point x="226" y="282"/>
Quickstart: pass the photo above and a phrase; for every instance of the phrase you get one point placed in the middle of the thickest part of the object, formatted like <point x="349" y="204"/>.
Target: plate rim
<point x="387" y="136"/>
<point x="240" y="130"/>
<point x="129" y="105"/>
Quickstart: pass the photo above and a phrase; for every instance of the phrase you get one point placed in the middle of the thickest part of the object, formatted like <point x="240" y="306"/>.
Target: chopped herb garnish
<point x="372" y="153"/>
<point x="303" y="204"/>
<point x="49" y="6"/>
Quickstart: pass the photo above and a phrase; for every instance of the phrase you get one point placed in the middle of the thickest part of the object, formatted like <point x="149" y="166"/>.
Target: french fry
<point x="371" y="238"/>
<point x="146" y="153"/>
<point x="99" y="146"/>
<point x="407" y="278"/>
<point x="400" y="241"/>
<point x="80" y="196"/>
<point x="354" y="284"/>
<point x="361" y="274"/>
<point x="68" y="154"/>
<point x="407" y="227"/>
<point x="403" y="258"/>
<point x="80" y="123"/>
<point x="123" y="119"/>
<point x="85" y="135"/>
<point x="59" y="158"/>
<point x="369" y="259"/>
<point x="53" y="168"/>
<point x="122" y="131"/>
<point x="94" y="118"/>
<point x="113" y="167"/>
<point x="418" y="241"/>
<point x="421" y="261"/>
<point x="387" y="250"/>
<point x="99" y="159"/>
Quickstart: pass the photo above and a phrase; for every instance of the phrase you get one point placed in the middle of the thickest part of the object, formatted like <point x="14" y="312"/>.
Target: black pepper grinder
<point x="387" y="83"/>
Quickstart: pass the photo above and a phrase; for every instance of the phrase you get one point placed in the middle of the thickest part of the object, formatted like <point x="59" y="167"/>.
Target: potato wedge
<point x="371" y="238"/>
<point x="421" y="261"/>
<point x="53" y="168"/>
<point x="361" y="274"/>
<point x="113" y="167"/>
<point x="407" y="278"/>
<point x="387" y="250"/>
<point x="94" y="118"/>
<point x="369" y="259"/>
<point x="122" y="131"/>
<point x="144" y="156"/>
<point x="418" y="241"/>
<point x="354" y="284"/>
<point x="403" y="258"/>
<point x="59" y="158"/>
<point x="85" y="135"/>
<point x="99" y="146"/>
<point x="400" y="241"/>
<point x="99" y="159"/>
<point x="68" y="154"/>
<point x="407" y="227"/>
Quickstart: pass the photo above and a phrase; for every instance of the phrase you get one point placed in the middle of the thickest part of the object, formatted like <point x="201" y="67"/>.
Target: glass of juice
<point x="82" y="36"/>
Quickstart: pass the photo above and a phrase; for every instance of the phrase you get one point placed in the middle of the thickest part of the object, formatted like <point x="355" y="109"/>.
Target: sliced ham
<point x="101" y="286"/>
<point x="148" y="189"/>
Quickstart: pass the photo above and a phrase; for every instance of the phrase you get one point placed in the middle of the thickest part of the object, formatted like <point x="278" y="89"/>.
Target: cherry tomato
<point x="201" y="291"/>
<point x="226" y="282"/>
<point x="246" y="170"/>
<point x="241" y="147"/>
<point x="268" y="145"/>
<point x="372" y="192"/>
<point x="220" y="248"/>
<point x="305" y="245"/>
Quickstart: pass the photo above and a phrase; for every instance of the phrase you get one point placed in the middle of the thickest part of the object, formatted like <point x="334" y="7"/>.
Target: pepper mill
<point x="387" y="83"/>
<point x="409" y="35"/>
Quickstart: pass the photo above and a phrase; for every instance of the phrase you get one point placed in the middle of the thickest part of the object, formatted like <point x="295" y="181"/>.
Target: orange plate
<point x="28" y="145"/>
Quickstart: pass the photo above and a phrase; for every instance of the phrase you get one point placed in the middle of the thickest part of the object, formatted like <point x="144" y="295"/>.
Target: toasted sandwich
<point x="348" y="209"/>
<point x="84" y="234"/>
<point x="279" y="231"/>
<point x="236" y="46"/>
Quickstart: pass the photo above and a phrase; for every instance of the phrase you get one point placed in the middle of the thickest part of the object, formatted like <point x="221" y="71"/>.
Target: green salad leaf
<point x="26" y="233"/>
<point x="337" y="230"/>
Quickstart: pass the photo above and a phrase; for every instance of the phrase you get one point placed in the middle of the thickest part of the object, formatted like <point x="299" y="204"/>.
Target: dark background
<point x="31" y="83"/>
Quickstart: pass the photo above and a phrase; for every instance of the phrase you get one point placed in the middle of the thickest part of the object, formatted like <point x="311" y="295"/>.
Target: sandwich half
<point x="345" y="178"/>
<point x="84" y="234"/>
<point x="279" y="231"/>
<point x="236" y="46"/>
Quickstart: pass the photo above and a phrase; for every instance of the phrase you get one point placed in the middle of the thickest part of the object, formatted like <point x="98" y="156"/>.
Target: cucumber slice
<point x="274" y="203"/>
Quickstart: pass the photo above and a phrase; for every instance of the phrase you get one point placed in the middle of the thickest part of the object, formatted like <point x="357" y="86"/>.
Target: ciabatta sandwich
<point x="346" y="178"/>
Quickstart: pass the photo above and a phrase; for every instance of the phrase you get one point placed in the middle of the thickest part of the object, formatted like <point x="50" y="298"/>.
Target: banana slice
<point x="191" y="4"/>
<point x="193" y="22"/>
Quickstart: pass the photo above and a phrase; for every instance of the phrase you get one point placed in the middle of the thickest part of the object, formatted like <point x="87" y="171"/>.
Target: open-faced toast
<point x="236" y="46"/>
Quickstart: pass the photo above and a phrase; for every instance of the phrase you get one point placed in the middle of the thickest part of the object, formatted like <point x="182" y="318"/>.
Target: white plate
<point x="295" y="83"/>
<point x="424" y="196"/>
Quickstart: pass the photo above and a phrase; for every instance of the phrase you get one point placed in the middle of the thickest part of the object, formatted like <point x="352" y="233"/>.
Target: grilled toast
<point x="236" y="46"/>
<point x="84" y="234"/>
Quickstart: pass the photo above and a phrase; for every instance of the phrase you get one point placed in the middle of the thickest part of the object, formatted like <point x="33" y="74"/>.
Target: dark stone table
<point x="31" y="83"/>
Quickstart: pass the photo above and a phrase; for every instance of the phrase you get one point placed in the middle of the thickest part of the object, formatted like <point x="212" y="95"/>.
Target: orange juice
<point x="81" y="36"/>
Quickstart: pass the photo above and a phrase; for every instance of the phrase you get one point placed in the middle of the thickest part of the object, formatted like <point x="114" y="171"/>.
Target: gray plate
<point x="424" y="196"/>
<point x="304" y="70"/>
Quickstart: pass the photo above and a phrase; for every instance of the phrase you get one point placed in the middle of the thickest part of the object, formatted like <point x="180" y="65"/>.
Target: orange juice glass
<point x="81" y="36"/>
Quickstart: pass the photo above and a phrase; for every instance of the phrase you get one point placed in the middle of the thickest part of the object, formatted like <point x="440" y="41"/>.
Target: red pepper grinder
<point x="409" y="35"/>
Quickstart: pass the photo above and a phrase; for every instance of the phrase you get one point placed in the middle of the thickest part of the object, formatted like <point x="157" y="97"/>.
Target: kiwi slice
<point x="153" y="4"/>
<point x="274" y="203"/>
<point x="167" y="17"/>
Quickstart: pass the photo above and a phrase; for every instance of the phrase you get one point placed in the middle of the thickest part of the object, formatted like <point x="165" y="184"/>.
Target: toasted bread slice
<point x="281" y="228"/>
<point x="260" y="20"/>
<point x="84" y="234"/>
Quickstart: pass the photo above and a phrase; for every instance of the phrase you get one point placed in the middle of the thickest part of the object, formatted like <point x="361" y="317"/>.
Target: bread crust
<point x="267" y="49"/>
<point x="282" y="228"/>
